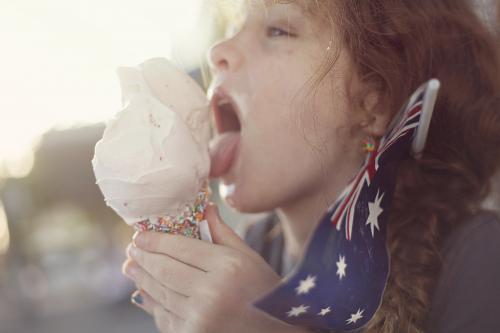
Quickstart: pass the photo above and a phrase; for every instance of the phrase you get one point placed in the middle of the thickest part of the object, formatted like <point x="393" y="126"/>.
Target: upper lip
<point x="220" y="97"/>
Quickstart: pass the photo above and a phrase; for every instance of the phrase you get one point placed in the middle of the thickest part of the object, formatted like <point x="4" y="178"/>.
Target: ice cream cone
<point x="190" y="223"/>
<point x="152" y="163"/>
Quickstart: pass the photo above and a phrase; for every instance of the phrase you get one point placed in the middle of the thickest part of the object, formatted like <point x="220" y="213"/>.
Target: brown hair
<point x="395" y="46"/>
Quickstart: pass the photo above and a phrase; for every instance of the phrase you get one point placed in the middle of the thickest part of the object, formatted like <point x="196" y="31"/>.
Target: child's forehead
<point x="302" y="12"/>
<point x="296" y="10"/>
<point x="274" y="5"/>
<point x="306" y="7"/>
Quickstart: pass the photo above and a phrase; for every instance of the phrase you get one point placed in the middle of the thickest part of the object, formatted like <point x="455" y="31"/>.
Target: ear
<point x="375" y="116"/>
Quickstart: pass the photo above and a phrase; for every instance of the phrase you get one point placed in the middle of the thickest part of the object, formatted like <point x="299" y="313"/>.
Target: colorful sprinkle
<point x="183" y="224"/>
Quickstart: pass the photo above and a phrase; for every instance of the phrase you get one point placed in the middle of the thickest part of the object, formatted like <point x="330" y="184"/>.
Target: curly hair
<point x="396" y="45"/>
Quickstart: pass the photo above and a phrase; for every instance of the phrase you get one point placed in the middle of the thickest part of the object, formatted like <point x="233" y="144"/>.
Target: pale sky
<point x="58" y="60"/>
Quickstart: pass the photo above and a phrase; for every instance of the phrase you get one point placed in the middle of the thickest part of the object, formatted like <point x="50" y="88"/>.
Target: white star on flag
<point x="341" y="266"/>
<point x="375" y="211"/>
<point x="324" y="311"/>
<point x="297" y="310"/>
<point x="355" y="317"/>
<point x="306" y="285"/>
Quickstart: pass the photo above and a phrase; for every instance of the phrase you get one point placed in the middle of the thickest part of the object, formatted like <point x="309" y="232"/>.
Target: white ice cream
<point x="153" y="157"/>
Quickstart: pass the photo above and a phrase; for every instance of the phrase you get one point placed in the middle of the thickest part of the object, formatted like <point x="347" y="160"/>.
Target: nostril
<point x="225" y="55"/>
<point x="216" y="58"/>
<point x="223" y="64"/>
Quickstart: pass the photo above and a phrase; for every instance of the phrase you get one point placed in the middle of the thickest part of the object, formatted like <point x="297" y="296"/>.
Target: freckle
<point x="161" y="158"/>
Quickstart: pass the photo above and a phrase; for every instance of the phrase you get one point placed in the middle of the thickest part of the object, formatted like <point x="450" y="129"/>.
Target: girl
<point x="297" y="90"/>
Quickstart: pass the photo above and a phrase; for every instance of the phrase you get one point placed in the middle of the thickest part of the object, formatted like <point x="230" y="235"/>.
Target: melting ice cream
<point x="153" y="157"/>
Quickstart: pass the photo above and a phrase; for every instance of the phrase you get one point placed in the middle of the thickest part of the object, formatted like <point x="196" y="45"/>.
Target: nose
<point x="224" y="56"/>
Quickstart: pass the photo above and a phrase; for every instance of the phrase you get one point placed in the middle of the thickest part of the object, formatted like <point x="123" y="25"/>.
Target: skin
<point x="201" y="287"/>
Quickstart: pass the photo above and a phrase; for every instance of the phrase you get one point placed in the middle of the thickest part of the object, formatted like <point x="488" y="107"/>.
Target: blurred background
<point x="61" y="248"/>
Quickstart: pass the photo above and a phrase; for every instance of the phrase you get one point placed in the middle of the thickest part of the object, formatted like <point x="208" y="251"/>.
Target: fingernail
<point x="136" y="298"/>
<point x="130" y="270"/>
<point x="137" y="239"/>
<point x="133" y="252"/>
<point x="135" y="236"/>
<point x="211" y="205"/>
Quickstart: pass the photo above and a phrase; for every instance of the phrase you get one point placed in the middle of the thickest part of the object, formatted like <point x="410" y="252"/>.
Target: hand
<point x="192" y="286"/>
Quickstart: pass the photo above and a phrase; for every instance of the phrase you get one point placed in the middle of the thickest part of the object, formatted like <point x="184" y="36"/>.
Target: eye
<point x="278" y="32"/>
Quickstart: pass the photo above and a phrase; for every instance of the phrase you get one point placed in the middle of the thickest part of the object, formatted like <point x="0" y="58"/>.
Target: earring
<point x="368" y="145"/>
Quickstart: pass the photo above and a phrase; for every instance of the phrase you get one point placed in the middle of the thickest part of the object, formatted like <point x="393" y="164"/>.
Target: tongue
<point x="222" y="152"/>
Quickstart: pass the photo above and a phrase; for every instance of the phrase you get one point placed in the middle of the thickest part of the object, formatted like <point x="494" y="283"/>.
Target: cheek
<point x="277" y="162"/>
<point x="285" y="152"/>
<point x="277" y="171"/>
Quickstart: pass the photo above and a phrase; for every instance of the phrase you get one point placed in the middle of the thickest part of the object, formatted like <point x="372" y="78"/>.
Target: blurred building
<point x="66" y="247"/>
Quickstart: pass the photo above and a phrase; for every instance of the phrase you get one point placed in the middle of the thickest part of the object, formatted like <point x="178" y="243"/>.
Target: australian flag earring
<point x="368" y="145"/>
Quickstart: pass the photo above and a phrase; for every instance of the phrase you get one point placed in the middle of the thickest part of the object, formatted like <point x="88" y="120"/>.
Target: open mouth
<point x="224" y="147"/>
<point x="226" y="113"/>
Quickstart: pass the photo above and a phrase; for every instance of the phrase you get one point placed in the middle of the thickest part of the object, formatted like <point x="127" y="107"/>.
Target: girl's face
<point x="291" y="144"/>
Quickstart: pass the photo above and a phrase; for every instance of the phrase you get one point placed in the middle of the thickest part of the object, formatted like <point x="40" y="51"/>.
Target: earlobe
<point x="378" y="124"/>
<point x="376" y="116"/>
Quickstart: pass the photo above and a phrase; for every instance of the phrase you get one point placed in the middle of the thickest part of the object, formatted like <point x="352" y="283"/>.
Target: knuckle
<point x="209" y="293"/>
<point x="204" y="320"/>
<point x="211" y="307"/>
<point x="233" y="264"/>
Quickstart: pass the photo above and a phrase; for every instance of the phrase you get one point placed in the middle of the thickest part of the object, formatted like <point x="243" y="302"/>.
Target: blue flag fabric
<point x="342" y="276"/>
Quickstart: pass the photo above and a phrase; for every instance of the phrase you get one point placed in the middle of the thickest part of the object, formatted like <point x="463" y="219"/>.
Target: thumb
<point x="221" y="233"/>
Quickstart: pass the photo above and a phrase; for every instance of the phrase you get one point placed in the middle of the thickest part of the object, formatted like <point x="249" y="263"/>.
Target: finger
<point x="167" y="298"/>
<point x="166" y="321"/>
<point x="143" y="300"/>
<point x="190" y="251"/>
<point x="222" y="234"/>
<point x="171" y="273"/>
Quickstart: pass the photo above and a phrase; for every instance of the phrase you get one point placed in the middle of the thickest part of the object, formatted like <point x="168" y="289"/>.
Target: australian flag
<point x="340" y="281"/>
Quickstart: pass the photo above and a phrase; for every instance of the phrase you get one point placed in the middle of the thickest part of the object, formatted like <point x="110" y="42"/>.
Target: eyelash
<point x="283" y="33"/>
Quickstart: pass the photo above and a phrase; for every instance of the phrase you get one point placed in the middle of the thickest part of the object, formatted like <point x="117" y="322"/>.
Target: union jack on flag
<point x="342" y="276"/>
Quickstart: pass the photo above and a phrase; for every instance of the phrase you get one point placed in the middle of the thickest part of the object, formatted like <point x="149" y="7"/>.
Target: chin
<point x="245" y="201"/>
